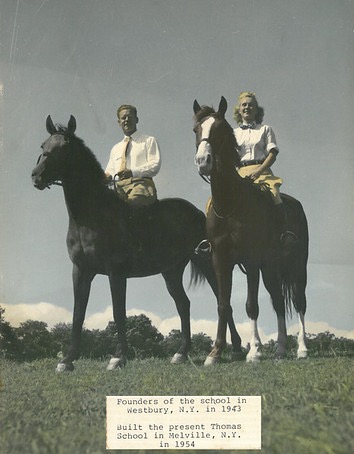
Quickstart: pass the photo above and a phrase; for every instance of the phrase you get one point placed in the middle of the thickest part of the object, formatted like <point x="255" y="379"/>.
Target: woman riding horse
<point x="257" y="148"/>
<point x="243" y="230"/>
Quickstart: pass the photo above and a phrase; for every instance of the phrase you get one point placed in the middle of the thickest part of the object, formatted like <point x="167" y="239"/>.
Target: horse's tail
<point x="288" y="284"/>
<point x="293" y="268"/>
<point x="201" y="270"/>
<point x="197" y="276"/>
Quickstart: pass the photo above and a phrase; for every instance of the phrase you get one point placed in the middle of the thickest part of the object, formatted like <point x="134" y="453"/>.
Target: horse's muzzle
<point x="37" y="181"/>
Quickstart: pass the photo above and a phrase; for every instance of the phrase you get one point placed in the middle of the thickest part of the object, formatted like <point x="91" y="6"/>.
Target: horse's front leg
<point x="224" y="278"/>
<point x="204" y="263"/>
<point x="252" y="309"/>
<point x="118" y="287"/>
<point x="301" y="338"/>
<point x="300" y="305"/>
<point x="82" y="279"/>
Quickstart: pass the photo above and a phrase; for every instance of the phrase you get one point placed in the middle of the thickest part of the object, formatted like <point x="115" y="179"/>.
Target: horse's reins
<point x="219" y="215"/>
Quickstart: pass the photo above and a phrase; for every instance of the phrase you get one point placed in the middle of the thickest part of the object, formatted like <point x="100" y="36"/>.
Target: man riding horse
<point x="132" y="164"/>
<point x="134" y="161"/>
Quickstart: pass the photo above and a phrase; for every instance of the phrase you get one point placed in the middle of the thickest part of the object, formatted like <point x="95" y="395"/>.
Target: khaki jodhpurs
<point x="138" y="191"/>
<point x="267" y="177"/>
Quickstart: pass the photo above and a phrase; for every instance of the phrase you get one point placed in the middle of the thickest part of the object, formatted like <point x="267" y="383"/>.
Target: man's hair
<point x="127" y="106"/>
<point x="260" y="110"/>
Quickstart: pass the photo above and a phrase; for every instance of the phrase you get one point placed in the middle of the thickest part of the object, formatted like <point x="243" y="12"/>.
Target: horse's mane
<point x="86" y="159"/>
<point x="60" y="129"/>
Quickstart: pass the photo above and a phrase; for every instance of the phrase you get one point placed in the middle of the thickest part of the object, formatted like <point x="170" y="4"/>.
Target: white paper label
<point x="183" y="422"/>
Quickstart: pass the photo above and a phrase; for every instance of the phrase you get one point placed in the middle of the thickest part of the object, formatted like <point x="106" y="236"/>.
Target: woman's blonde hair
<point x="260" y="110"/>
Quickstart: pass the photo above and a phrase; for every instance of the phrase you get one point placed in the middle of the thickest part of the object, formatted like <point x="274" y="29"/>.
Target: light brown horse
<point x="242" y="230"/>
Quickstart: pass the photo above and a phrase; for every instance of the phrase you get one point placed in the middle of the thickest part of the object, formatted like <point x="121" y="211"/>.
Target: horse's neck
<point x="77" y="199"/>
<point x="226" y="188"/>
<point x="83" y="193"/>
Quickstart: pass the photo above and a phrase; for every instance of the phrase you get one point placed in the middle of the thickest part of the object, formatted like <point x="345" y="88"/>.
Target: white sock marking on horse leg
<point x="254" y="354"/>
<point x="301" y="338"/>
<point x="116" y="363"/>
<point x="178" y="358"/>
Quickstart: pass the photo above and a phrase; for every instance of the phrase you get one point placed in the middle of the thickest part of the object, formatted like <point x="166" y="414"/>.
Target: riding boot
<point x="141" y="217"/>
<point x="288" y="239"/>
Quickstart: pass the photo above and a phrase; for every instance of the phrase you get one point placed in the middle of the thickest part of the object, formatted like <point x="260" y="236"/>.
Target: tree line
<point x="33" y="340"/>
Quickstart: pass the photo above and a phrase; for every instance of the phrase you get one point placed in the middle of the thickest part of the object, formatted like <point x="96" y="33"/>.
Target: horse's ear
<point x="196" y="106"/>
<point x="222" y="106"/>
<point x="72" y="125"/>
<point x="50" y="125"/>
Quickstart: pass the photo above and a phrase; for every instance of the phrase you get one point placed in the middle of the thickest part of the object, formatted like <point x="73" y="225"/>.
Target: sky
<point x="86" y="58"/>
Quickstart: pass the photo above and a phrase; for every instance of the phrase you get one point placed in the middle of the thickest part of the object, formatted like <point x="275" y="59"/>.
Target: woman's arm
<point x="267" y="163"/>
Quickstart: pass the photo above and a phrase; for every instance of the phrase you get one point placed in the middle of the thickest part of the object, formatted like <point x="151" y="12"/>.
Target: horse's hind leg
<point x="301" y="338"/>
<point x="300" y="306"/>
<point x="82" y="283"/>
<point x="272" y="284"/>
<point x="118" y="287"/>
<point x="252" y="310"/>
<point x="174" y="284"/>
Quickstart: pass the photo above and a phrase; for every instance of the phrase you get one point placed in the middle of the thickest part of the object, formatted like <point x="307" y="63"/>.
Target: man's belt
<point x="131" y="179"/>
<point x="253" y="162"/>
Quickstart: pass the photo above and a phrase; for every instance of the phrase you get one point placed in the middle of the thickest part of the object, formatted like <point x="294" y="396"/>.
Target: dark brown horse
<point x="243" y="230"/>
<point x="103" y="239"/>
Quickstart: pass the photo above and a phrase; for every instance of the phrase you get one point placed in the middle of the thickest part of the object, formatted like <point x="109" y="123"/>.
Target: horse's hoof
<point x="64" y="367"/>
<point x="238" y="356"/>
<point x="302" y="354"/>
<point x="211" y="361"/>
<point x="253" y="358"/>
<point x="279" y="356"/>
<point x="178" y="358"/>
<point x="116" y="363"/>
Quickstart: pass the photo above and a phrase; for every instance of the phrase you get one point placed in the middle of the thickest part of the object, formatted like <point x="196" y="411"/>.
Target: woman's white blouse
<point x="255" y="143"/>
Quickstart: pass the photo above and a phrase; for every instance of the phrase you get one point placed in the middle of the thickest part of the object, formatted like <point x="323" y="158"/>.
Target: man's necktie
<point x="251" y="126"/>
<point x="123" y="164"/>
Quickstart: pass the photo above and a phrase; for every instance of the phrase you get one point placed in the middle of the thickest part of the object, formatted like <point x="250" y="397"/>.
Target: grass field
<point x="307" y="406"/>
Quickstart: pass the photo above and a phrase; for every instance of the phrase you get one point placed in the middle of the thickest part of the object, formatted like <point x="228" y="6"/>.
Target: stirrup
<point x="203" y="248"/>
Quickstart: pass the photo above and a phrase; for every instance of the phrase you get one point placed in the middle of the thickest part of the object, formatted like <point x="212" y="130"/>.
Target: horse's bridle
<point x="55" y="182"/>
<point x="205" y="178"/>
